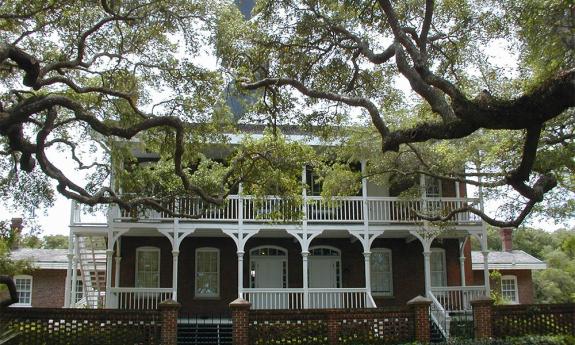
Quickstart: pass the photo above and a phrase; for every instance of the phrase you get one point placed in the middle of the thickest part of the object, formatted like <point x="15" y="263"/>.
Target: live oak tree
<point x="469" y="116"/>
<point x="101" y="80"/>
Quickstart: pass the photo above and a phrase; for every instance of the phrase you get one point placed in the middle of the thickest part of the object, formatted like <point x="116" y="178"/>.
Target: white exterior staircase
<point x="92" y="261"/>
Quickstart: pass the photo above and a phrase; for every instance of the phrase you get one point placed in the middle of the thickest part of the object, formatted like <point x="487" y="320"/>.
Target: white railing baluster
<point x="339" y="209"/>
<point x="457" y="298"/>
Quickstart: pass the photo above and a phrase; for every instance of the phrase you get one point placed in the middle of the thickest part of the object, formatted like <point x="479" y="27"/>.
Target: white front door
<point x="323" y="272"/>
<point x="268" y="272"/>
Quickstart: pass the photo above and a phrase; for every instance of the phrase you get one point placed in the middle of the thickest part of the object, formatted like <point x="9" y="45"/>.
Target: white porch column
<point x="117" y="271"/>
<point x="462" y="244"/>
<point x="175" y="254"/>
<point x="367" y="265"/>
<point x="427" y="269"/>
<point x="367" y="268"/>
<point x="240" y="274"/>
<point x="74" y="282"/>
<point x="67" y="291"/>
<point x="117" y="262"/>
<point x="486" y="272"/>
<point x="109" y="255"/>
<point x="305" y="257"/>
<point x="68" y="286"/>
<point x="462" y="269"/>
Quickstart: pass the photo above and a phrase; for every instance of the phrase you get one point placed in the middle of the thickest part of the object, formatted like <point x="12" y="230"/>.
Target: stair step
<point x="196" y="332"/>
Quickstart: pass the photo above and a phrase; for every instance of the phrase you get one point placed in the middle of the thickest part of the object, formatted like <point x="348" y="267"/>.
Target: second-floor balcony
<point x="248" y="209"/>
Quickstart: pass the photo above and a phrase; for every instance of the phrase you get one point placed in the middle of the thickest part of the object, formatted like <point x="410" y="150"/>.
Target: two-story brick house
<point x="366" y="250"/>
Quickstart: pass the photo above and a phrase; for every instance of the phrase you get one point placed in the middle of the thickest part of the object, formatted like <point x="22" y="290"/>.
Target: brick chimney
<point x="16" y="232"/>
<point x="506" y="239"/>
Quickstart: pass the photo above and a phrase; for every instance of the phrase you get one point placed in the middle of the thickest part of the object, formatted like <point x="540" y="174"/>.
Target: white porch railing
<point x="340" y="298"/>
<point x="275" y="298"/>
<point x="312" y="298"/>
<point x="389" y="210"/>
<point x="457" y="298"/>
<point x="138" y="298"/>
<point x="341" y="209"/>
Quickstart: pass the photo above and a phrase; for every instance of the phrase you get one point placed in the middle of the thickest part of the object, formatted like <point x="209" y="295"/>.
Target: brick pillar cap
<point x="169" y="304"/>
<point x="419" y="300"/>
<point x="240" y="303"/>
<point x="482" y="300"/>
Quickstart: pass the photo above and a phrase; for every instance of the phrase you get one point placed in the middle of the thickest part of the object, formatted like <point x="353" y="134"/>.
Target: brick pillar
<point x="241" y="321"/>
<point x="169" y="315"/>
<point x="332" y="329"/>
<point x="420" y="307"/>
<point x="482" y="317"/>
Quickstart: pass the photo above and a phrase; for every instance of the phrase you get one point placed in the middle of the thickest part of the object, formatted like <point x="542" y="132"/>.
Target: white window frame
<point x="24" y="277"/>
<point x="443" y="258"/>
<point x="147" y="249"/>
<point x="218" y="287"/>
<point x="427" y="180"/>
<point x="516" y="291"/>
<point x="388" y="252"/>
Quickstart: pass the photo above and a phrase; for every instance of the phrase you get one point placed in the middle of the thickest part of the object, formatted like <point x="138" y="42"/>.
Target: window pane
<point x="432" y="187"/>
<point x="148" y="268"/>
<point x="207" y="273"/>
<point x="381" y="273"/>
<point x="24" y="290"/>
<point x="437" y="263"/>
<point x="508" y="289"/>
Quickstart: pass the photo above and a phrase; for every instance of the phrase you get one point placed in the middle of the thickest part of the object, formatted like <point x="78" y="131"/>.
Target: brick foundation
<point x="420" y="306"/>
<point x="169" y="315"/>
<point x="241" y="320"/>
<point x="482" y="317"/>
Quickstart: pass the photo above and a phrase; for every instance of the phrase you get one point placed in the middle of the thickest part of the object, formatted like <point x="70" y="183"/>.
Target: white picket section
<point x="139" y="298"/>
<point x="386" y="210"/>
<point x="316" y="298"/>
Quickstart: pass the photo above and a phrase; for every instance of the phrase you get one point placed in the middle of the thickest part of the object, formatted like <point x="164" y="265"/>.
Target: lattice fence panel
<point x="385" y="328"/>
<point x="287" y="327"/>
<point x="82" y="326"/>
<point x="533" y="319"/>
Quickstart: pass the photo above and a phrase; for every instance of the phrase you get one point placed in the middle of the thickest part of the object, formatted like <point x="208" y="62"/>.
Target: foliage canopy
<point x="103" y="80"/>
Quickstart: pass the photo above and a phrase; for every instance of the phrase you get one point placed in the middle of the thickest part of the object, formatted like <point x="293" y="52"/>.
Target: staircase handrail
<point x="440" y="316"/>
<point x="371" y="301"/>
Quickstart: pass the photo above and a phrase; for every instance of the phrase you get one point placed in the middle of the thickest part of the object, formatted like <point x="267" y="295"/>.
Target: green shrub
<point x="527" y="340"/>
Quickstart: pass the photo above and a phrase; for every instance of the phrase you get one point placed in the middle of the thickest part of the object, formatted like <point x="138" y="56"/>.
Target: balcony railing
<point x="138" y="298"/>
<point x="311" y="298"/>
<point x="457" y="298"/>
<point x="385" y="210"/>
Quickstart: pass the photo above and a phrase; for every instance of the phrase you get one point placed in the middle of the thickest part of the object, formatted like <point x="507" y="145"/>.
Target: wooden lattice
<point x="385" y="328"/>
<point x="279" y="327"/>
<point x="82" y="326"/>
<point x="354" y="326"/>
<point x="542" y="319"/>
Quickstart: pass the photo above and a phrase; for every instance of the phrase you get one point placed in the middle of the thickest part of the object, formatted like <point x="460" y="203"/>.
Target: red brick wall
<point x="128" y="253"/>
<point x="407" y="260"/>
<point x="186" y="274"/>
<point x="48" y="288"/>
<point x="524" y="283"/>
<point x="448" y="189"/>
